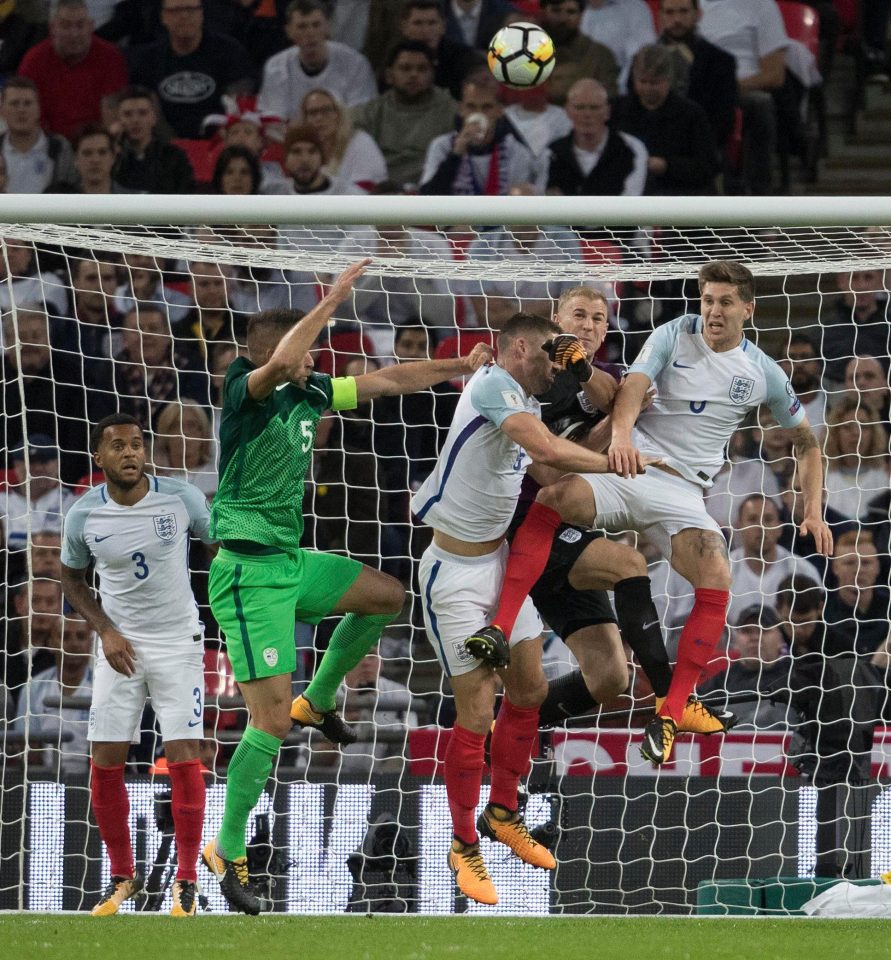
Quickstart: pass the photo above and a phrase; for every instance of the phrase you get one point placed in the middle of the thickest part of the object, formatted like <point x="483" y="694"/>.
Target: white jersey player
<point x="135" y="528"/>
<point x="708" y="376"/>
<point x="469" y="500"/>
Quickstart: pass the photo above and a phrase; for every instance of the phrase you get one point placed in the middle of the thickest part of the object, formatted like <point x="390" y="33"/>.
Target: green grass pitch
<point x="65" y="937"/>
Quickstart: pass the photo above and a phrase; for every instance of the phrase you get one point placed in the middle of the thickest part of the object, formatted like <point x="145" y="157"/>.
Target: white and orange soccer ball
<point x="521" y="55"/>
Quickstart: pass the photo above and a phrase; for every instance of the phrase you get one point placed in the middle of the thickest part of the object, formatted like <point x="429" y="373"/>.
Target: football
<point x="521" y="55"/>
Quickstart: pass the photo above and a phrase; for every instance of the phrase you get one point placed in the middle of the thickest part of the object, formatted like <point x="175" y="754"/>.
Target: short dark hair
<point x="112" y="420"/>
<point x="556" y="3"/>
<point x="801" y="339"/>
<point x="409" y="46"/>
<point x="751" y="498"/>
<point x="729" y="271"/>
<point x="800" y="592"/>
<point x="413" y="325"/>
<point x="302" y="133"/>
<point x="92" y="130"/>
<point x="227" y="154"/>
<point x="408" y="5"/>
<point x="134" y="92"/>
<point x="141" y="307"/>
<point x="280" y="321"/>
<point x="307" y="7"/>
<point x="20" y="83"/>
<point x="525" y="324"/>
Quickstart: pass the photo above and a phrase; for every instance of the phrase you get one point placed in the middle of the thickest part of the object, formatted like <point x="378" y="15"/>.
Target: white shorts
<point x="172" y="674"/>
<point x="656" y="503"/>
<point x="460" y="595"/>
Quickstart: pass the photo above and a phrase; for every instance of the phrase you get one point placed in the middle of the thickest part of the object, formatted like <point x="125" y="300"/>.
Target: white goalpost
<point x="139" y="303"/>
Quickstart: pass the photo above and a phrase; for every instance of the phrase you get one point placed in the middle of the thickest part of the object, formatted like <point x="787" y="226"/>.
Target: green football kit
<point x="262" y="581"/>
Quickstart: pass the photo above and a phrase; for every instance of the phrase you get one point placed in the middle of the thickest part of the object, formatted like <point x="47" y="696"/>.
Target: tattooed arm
<point x="807" y="453"/>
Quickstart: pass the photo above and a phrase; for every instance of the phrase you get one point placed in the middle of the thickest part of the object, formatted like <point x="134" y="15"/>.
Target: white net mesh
<point x="142" y="319"/>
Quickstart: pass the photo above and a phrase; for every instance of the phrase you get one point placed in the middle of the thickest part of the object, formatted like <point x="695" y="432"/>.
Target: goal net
<point x="139" y="305"/>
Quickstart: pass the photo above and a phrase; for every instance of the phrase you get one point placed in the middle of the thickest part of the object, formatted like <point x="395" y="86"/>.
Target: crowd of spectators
<point x="341" y="110"/>
<point x="706" y="95"/>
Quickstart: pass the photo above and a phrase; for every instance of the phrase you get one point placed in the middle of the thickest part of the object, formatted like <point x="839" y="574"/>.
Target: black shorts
<point x="563" y="608"/>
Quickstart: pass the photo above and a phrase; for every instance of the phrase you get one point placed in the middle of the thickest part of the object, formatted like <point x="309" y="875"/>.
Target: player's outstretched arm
<point x="419" y="374"/>
<point x="544" y="448"/>
<point x="117" y="648"/>
<point x="286" y="362"/>
<point x="624" y="458"/>
<point x="806" y="449"/>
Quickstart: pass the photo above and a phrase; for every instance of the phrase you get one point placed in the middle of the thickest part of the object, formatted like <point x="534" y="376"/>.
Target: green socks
<point x="353" y="637"/>
<point x="248" y="772"/>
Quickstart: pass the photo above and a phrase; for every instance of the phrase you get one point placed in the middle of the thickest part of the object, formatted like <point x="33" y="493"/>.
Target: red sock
<point x="698" y="640"/>
<point x="111" y="808"/>
<point x="187" y="805"/>
<point x="529" y="554"/>
<point x="464" y="760"/>
<point x="516" y="731"/>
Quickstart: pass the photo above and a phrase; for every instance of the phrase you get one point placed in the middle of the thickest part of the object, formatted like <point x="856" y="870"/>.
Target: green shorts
<point x="258" y="599"/>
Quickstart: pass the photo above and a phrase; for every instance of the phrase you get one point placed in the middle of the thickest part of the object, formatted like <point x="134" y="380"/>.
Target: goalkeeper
<point x="261" y="581"/>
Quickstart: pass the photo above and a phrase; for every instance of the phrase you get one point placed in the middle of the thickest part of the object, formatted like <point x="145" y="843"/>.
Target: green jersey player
<point x="261" y="580"/>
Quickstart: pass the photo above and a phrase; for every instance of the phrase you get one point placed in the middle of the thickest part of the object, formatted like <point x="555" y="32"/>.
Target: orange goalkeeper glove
<point x="566" y="351"/>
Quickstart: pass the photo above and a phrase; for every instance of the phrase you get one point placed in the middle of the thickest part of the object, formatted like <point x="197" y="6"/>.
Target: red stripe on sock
<point x="700" y="636"/>
<point x="187" y="806"/>
<point x="529" y="554"/>
<point x="464" y="759"/>
<point x="111" y="808"/>
<point x="515" y="734"/>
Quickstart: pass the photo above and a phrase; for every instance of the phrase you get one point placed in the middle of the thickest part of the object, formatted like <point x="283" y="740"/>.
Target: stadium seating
<point x="802" y="23"/>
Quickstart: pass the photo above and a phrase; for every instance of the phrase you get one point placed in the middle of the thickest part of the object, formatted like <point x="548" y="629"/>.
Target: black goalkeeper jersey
<point x="565" y="409"/>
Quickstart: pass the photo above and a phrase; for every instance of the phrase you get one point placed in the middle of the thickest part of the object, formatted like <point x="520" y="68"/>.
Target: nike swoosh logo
<point x="652" y="623"/>
<point x="682" y="366"/>
<point x="100" y="539"/>
<point x="194" y="723"/>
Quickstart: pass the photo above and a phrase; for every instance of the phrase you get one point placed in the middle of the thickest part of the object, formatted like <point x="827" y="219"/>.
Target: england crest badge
<point x="165" y="526"/>
<point x="741" y="389"/>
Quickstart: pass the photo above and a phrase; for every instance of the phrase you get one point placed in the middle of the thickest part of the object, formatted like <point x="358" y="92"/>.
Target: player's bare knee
<point x="109" y="754"/>
<point x="630" y="563"/>
<point x="713" y="562"/>
<point x="556" y="496"/>
<point x="391" y="595"/>
<point x="701" y="557"/>
<point x="717" y="580"/>
<point x="274" y="719"/>
<point x="180" y="751"/>
<point x="529" y="693"/>
<point x="278" y="726"/>
<point x="612" y="682"/>
<point x="476" y="715"/>
<point x="605" y="678"/>
<point x="475" y="699"/>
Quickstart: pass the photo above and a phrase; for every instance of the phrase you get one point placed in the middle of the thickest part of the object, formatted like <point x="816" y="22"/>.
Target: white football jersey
<point x="473" y="490"/>
<point x="142" y="556"/>
<point x="703" y="396"/>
